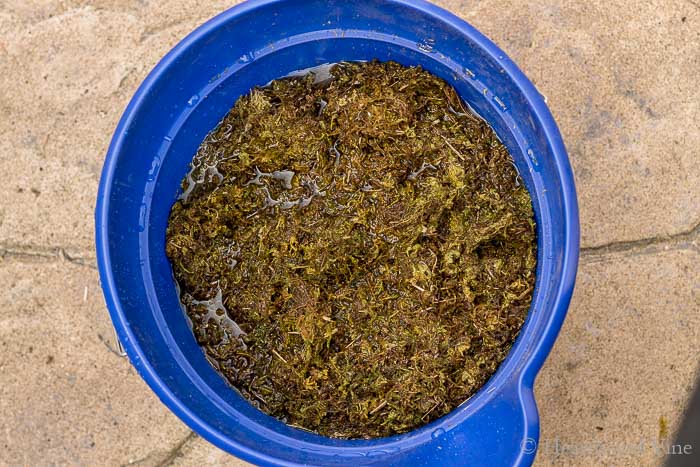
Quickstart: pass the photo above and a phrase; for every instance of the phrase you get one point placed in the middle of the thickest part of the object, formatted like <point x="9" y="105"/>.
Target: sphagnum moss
<point x="356" y="256"/>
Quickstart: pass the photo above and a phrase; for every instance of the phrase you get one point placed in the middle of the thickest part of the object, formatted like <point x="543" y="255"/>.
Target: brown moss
<point x="356" y="258"/>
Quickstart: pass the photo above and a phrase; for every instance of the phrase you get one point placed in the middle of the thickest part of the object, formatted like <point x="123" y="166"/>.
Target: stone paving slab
<point x="71" y="72"/>
<point x="625" y="362"/>
<point x="65" y="397"/>
<point x="620" y="78"/>
<point x="621" y="81"/>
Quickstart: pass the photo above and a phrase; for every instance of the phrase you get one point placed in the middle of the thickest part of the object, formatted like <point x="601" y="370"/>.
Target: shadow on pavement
<point x="688" y="434"/>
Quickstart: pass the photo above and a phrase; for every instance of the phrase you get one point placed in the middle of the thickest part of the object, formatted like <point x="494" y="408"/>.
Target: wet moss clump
<point x="354" y="249"/>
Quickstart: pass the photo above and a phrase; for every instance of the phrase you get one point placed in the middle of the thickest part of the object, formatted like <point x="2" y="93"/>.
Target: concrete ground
<point x="621" y="80"/>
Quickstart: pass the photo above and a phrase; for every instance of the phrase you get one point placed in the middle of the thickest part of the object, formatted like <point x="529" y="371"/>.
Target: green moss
<point x="356" y="258"/>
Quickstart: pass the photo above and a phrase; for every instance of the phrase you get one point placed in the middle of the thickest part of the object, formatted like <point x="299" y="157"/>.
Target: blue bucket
<point x="185" y="97"/>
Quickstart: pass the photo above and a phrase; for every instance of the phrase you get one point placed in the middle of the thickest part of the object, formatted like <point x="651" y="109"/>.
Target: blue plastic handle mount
<point x="191" y="90"/>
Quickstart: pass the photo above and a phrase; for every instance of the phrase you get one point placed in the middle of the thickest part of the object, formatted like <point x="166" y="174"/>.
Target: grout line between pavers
<point x="176" y="451"/>
<point x="686" y="240"/>
<point x="169" y="456"/>
<point x="49" y="254"/>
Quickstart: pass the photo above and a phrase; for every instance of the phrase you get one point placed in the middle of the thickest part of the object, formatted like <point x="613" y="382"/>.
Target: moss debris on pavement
<point x="355" y="250"/>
